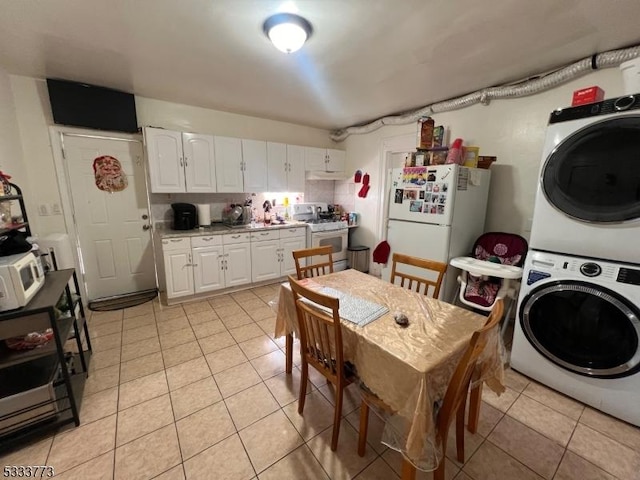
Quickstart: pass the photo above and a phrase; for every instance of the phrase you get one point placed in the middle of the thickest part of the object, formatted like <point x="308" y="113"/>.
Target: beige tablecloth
<point x="408" y="368"/>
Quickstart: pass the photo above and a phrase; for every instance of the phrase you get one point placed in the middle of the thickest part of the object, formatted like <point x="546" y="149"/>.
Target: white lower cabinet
<point x="178" y="273"/>
<point x="208" y="274"/>
<point x="271" y="252"/>
<point x="287" y="246"/>
<point x="237" y="264"/>
<point x="265" y="260"/>
<point x="204" y="264"/>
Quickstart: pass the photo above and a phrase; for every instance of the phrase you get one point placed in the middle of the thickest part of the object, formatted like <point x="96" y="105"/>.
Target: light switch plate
<point x="43" y="210"/>
<point x="55" y="209"/>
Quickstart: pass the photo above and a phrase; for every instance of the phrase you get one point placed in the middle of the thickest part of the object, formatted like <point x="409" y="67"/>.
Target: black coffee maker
<point x="184" y="216"/>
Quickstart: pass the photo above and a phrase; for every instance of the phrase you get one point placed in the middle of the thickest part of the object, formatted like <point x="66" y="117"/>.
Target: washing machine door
<point x="594" y="174"/>
<point x="584" y="328"/>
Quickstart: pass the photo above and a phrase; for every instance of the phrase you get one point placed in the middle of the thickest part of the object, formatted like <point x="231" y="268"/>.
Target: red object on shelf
<point x="587" y="95"/>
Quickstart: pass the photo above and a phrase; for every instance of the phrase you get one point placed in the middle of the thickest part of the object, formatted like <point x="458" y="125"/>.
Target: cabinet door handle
<point x="185" y="162"/>
<point x="181" y="162"/>
<point x="194" y="264"/>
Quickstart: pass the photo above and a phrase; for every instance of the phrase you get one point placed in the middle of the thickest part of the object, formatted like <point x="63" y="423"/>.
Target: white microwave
<point x="21" y="277"/>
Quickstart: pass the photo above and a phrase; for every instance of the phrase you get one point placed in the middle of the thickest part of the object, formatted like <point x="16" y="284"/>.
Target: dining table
<point x="408" y="367"/>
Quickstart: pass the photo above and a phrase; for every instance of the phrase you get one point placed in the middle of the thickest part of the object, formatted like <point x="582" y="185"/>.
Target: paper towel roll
<point x="204" y="214"/>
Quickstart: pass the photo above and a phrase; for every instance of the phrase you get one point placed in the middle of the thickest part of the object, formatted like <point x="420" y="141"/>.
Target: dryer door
<point x="584" y="328"/>
<point x="594" y="174"/>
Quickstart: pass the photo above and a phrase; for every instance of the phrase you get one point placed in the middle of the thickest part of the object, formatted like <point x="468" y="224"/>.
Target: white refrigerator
<point x="436" y="212"/>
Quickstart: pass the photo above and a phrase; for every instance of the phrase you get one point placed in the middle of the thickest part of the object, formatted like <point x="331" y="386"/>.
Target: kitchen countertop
<point x="220" y="229"/>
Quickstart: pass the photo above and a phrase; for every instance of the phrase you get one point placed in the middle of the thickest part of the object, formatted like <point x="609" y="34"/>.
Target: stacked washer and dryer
<point x="578" y="324"/>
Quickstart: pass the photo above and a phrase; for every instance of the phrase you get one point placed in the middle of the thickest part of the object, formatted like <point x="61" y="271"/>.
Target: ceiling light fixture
<point x="287" y="31"/>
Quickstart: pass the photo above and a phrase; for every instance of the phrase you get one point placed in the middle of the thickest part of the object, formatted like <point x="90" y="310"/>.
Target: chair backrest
<point x="313" y="270"/>
<point x="320" y="334"/>
<point x="413" y="282"/>
<point x="459" y="384"/>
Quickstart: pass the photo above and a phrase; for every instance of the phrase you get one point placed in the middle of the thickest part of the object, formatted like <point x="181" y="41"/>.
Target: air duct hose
<point x="542" y="83"/>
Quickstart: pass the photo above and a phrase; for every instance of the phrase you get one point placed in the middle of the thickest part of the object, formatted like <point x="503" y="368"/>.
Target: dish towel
<point x="381" y="252"/>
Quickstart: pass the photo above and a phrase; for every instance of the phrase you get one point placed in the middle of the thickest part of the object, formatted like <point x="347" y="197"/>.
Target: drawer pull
<point x="207" y="239"/>
<point x="264" y="233"/>
<point x="236" y="236"/>
<point x="176" y="240"/>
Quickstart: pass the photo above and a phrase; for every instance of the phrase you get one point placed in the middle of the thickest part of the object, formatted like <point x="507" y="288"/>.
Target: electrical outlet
<point x="43" y="210"/>
<point x="55" y="209"/>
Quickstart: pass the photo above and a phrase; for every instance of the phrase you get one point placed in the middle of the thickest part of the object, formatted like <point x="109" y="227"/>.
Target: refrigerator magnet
<point x="399" y="195"/>
<point x="415" y="206"/>
<point x="410" y="194"/>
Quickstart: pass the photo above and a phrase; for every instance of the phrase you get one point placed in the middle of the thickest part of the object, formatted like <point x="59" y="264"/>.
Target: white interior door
<point x="112" y="227"/>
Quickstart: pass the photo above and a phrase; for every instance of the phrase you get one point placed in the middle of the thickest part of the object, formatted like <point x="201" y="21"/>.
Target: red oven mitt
<point x="365" y="186"/>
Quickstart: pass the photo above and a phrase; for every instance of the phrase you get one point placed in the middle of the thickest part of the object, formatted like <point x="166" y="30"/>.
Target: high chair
<point x="491" y="272"/>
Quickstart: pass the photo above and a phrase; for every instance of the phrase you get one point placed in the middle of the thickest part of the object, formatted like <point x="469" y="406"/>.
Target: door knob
<point x="146" y="227"/>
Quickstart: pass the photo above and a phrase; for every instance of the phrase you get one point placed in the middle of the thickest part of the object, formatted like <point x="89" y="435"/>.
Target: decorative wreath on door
<point x="109" y="174"/>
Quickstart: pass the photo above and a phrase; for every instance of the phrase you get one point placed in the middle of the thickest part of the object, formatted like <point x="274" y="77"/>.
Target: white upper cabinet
<point x="315" y="159"/>
<point x="180" y="162"/>
<point x="199" y="162"/>
<point x="166" y="163"/>
<point x="336" y="160"/>
<point x="277" y="167"/>
<point x="324" y="160"/>
<point x="285" y="168"/>
<point x="295" y="168"/>
<point x="254" y="158"/>
<point x="228" y="159"/>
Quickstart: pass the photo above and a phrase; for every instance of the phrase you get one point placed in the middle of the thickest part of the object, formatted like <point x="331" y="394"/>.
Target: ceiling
<point x="365" y="59"/>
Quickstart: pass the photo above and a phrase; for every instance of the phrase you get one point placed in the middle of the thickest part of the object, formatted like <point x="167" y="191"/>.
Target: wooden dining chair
<point x="321" y="346"/>
<point x="413" y="282"/>
<point x="304" y="269"/>
<point x="455" y="398"/>
<point x="313" y="270"/>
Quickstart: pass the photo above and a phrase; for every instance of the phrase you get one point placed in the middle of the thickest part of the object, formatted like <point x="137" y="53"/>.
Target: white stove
<point x="324" y="225"/>
<point x="323" y="231"/>
<point x="310" y="213"/>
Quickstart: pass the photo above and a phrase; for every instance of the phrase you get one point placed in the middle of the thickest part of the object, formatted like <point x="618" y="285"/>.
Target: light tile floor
<point x="199" y="392"/>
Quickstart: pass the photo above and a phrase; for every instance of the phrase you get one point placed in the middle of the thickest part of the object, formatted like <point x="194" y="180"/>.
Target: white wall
<point x="187" y="118"/>
<point x="513" y="130"/>
<point x="34" y="119"/>
<point x="11" y="157"/>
